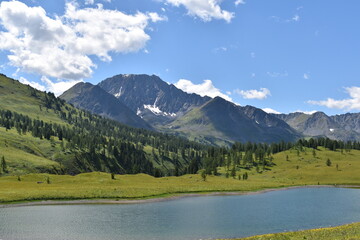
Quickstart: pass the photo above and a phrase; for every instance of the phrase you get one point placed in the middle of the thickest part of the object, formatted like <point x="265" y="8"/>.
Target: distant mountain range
<point x="339" y="127"/>
<point x="148" y="102"/>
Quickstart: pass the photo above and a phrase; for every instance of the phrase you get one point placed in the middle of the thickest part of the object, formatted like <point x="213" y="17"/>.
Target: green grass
<point x="13" y="95"/>
<point x="346" y="232"/>
<point x="99" y="185"/>
<point x="311" y="171"/>
<point x="24" y="153"/>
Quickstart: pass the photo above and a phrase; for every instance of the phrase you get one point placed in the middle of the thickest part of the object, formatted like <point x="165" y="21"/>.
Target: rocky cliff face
<point x="96" y="100"/>
<point x="220" y="119"/>
<point x="149" y="95"/>
<point x="149" y="102"/>
<point x="340" y="127"/>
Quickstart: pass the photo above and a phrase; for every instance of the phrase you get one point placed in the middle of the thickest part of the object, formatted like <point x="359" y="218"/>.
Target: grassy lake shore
<point x="160" y="198"/>
<point x="344" y="232"/>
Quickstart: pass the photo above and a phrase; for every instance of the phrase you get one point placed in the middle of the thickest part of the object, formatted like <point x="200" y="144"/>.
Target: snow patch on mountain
<point x="117" y="95"/>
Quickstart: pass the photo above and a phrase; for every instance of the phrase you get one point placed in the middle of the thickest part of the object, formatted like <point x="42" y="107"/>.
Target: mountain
<point x="219" y="122"/>
<point x="340" y="127"/>
<point x="150" y="97"/>
<point x="212" y="121"/>
<point x="96" y="100"/>
<point x="349" y="121"/>
<point x="215" y="121"/>
<point x="42" y="133"/>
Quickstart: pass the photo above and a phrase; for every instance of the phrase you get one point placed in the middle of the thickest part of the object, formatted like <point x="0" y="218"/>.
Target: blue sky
<point x="284" y="55"/>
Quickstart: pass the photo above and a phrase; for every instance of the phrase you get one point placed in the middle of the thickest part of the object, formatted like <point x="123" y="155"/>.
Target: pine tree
<point x="3" y="165"/>
<point x="233" y="172"/>
<point x="203" y="175"/>
<point x="328" y="162"/>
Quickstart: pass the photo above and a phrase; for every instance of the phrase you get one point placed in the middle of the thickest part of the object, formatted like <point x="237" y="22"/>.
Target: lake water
<point x="187" y="218"/>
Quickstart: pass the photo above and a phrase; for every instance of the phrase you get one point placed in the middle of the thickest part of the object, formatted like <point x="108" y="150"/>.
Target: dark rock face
<point x="96" y="100"/>
<point x="340" y="127"/>
<point x="349" y="121"/>
<point x="226" y="120"/>
<point x="148" y="102"/>
<point x="137" y="91"/>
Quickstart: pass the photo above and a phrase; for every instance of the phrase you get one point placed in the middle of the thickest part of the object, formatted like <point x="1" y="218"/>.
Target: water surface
<point x="186" y="218"/>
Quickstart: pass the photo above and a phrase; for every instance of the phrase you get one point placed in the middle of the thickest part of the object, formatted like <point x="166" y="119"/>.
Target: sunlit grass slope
<point x="18" y="97"/>
<point x="298" y="170"/>
<point x="346" y="232"/>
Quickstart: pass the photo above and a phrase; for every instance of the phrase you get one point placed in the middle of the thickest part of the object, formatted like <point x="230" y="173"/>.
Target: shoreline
<point x="170" y="197"/>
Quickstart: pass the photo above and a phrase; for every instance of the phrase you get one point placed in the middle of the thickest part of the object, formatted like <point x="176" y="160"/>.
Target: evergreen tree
<point x="328" y="162"/>
<point x="203" y="175"/>
<point x="3" y="165"/>
<point x="233" y="172"/>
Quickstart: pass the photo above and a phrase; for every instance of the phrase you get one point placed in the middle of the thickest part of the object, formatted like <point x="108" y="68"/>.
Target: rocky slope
<point x="96" y="100"/>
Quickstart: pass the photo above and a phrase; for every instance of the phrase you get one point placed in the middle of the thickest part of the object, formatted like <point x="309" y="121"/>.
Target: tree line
<point x="100" y="144"/>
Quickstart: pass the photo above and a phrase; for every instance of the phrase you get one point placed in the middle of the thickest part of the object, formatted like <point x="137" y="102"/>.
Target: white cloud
<point x="277" y="74"/>
<point x="206" y="10"/>
<point x="238" y="2"/>
<point x="306" y="76"/>
<point x="61" y="46"/>
<point x="253" y="75"/>
<point x="296" y="18"/>
<point x="156" y="17"/>
<point x="89" y="2"/>
<point x="270" y="110"/>
<point x="206" y="88"/>
<point x="57" y="87"/>
<point x="32" y="84"/>
<point x="254" y="94"/>
<point x="253" y="55"/>
<point x="220" y="49"/>
<point x="306" y="112"/>
<point x="352" y="103"/>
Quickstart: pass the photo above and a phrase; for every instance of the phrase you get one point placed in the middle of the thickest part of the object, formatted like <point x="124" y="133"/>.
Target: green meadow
<point x="346" y="232"/>
<point x="290" y="169"/>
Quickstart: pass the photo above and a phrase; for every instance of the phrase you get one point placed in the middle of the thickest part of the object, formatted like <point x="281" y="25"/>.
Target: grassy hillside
<point x="346" y="232"/>
<point x="306" y="168"/>
<point x="26" y="154"/>
<point x="32" y="144"/>
<point x="302" y="170"/>
<point x="21" y="98"/>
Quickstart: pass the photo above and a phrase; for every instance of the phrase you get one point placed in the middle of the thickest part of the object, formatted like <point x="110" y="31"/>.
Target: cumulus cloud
<point x="61" y="46"/>
<point x="306" y="76"/>
<point x="270" y="110"/>
<point x="87" y="2"/>
<point x="254" y="94"/>
<point x="206" y="10"/>
<point x="57" y="87"/>
<point x="32" y="84"/>
<point x="295" y="18"/>
<point x="352" y="103"/>
<point x="306" y="112"/>
<point x="238" y="2"/>
<point x="206" y="88"/>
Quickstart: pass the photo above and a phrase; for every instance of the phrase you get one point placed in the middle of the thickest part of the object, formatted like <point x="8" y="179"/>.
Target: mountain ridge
<point x="96" y="100"/>
<point x="169" y="109"/>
